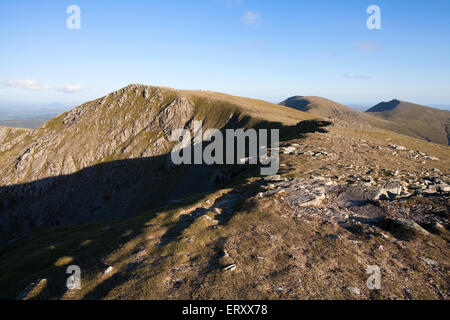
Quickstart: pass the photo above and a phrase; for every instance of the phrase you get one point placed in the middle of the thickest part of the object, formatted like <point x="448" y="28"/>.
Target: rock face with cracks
<point x="109" y="158"/>
<point x="347" y="196"/>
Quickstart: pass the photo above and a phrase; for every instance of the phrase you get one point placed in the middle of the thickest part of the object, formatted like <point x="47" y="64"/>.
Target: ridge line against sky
<point x="268" y="50"/>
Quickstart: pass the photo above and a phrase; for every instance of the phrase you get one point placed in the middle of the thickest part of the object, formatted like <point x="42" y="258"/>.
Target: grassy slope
<point x="323" y="266"/>
<point x="35" y="256"/>
<point x="258" y="109"/>
<point x="426" y="122"/>
<point x="214" y="108"/>
<point x="325" y="108"/>
<point x="94" y="247"/>
<point x="12" y="139"/>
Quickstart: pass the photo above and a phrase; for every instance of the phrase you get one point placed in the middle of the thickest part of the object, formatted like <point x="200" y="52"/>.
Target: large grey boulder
<point x="410" y="225"/>
<point x="393" y="189"/>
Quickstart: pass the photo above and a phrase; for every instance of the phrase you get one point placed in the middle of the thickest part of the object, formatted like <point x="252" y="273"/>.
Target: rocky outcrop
<point x="105" y="159"/>
<point x="410" y="225"/>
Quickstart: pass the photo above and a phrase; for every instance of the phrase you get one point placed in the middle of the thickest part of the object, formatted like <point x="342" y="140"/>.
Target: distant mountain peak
<point x="427" y="123"/>
<point x="295" y="97"/>
<point x="385" y="106"/>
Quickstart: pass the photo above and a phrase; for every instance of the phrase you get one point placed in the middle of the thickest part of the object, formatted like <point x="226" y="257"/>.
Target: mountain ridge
<point x="329" y="109"/>
<point x="430" y="124"/>
<point x="106" y="138"/>
<point x="93" y="187"/>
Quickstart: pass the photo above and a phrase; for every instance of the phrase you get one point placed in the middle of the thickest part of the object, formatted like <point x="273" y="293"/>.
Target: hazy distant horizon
<point x="18" y="110"/>
<point x="30" y="116"/>
<point x="259" y="49"/>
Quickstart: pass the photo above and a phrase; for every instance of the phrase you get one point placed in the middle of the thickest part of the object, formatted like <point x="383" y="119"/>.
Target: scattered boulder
<point x="274" y="178"/>
<point x="272" y="237"/>
<point x="443" y="187"/>
<point x="396" y="147"/>
<point x="393" y="189"/>
<point x="431" y="189"/>
<point x="334" y="236"/>
<point x="311" y="197"/>
<point x="281" y="289"/>
<point x="437" y="227"/>
<point x="429" y="261"/>
<point x="230" y="267"/>
<point x="408" y="294"/>
<point x="108" y="271"/>
<point x="377" y="193"/>
<point x="354" y="290"/>
<point x="362" y="193"/>
<point x="410" y="225"/>
<point x="289" y="150"/>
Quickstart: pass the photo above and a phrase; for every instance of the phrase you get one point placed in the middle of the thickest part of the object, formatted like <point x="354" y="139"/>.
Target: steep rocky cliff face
<point x="347" y="196"/>
<point x="108" y="158"/>
<point x="130" y="123"/>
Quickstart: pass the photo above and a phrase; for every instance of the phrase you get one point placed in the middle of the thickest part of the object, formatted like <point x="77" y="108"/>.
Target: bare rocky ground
<point x="309" y="233"/>
<point x="344" y="200"/>
<point x="108" y="158"/>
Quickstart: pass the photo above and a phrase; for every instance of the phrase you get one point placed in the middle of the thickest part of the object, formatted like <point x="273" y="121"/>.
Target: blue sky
<point x="261" y="49"/>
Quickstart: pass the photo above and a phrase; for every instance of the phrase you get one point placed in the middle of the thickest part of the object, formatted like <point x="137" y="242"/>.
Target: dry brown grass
<point x="277" y="255"/>
<point x="258" y="109"/>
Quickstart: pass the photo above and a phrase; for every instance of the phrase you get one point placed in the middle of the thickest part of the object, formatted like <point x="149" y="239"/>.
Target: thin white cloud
<point x="251" y="18"/>
<point x="73" y="87"/>
<point x="35" y="85"/>
<point x="367" y="47"/>
<point x="356" y="76"/>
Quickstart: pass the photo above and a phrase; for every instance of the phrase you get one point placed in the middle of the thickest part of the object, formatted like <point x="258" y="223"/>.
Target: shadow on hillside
<point x="117" y="189"/>
<point x="100" y="193"/>
<point x="228" y="203"/>
<point x="384" y="106"/>
<point x="297" y="103"/>
<point x="225" y="204"/>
